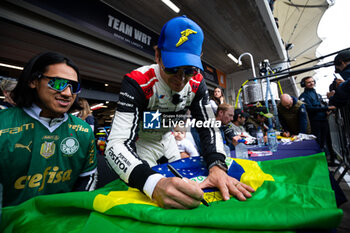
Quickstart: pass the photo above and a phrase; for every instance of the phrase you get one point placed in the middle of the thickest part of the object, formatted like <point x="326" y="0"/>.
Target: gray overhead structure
<point x="298" y="22"/>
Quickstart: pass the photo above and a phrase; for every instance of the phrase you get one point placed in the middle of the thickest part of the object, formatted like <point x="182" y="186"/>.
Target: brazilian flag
<point x="291" y="194"/>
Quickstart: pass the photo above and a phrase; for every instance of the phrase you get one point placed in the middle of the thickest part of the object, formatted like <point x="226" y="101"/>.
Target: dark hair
<point x="217" y="100"/>
<point x="235" y="117"/>
<point x="239" y="113"/>
<point x="23" y="95"/>
<point x="343" y="56"/>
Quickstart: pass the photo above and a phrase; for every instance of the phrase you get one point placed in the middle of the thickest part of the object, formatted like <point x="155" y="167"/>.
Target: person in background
<point x="332" y="88"/>
<point x="293" y="116"/>
<point x="7" y="86"/>
<point x="341" y="95"/>
<point x="225" y="114"/>
<point x="317" y="110"/>
<point x="217" y="99"/>
<point x="334" y="85"/>
<point x="342" y="64"/>
<point x="237" y="125"/>
<point x="257" y="119"/>
<point x="168" y="88"/>
<point x="86" y="113"/>
<point x="44" y="150"/>
<point x="186" y="148"/>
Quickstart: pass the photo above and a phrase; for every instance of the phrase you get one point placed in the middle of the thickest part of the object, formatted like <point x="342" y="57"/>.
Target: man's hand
<point x="265" y="138"/>
<point x="227" y="185"/>
<point x="286" y="134"/>
<point x="235" y="140"/>
<point x="331" y="107"/>
<point x="177" y="193"/>
<point x="184" y="155"/>
<point x="330" y="94"/>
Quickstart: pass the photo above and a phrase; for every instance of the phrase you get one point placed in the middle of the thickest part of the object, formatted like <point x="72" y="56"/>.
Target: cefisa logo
<point x="151" y="120"/>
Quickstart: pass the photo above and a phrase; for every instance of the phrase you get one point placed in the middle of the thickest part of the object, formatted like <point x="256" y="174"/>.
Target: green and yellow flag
<point x="291" y="194"/>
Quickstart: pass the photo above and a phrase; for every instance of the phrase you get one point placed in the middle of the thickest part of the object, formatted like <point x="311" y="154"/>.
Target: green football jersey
<point x="35" y="161"/>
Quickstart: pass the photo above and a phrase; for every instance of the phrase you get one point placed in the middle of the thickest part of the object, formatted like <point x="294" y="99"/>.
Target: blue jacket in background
<point x="342" y="93"/>
<point x="315" y="107"/>
<point x="345" y="74"/>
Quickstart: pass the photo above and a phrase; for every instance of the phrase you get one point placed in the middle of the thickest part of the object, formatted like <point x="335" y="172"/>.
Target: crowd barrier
<point x="339" y="124"/>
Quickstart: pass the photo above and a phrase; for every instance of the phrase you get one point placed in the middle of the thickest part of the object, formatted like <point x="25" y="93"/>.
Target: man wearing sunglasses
<point x="166" y="90"/>
<point x="44" y="150"/>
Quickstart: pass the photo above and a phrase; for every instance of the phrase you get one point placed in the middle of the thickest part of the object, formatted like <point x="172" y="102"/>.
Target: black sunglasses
<point x="188" y="72"/>
<point x="60" y="84"/>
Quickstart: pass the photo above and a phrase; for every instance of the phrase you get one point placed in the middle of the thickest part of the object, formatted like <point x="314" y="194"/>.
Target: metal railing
<point x="339" y="124"/>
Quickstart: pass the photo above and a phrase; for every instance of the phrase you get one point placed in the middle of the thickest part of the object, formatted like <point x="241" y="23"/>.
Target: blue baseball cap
<point x="180" y="43"/>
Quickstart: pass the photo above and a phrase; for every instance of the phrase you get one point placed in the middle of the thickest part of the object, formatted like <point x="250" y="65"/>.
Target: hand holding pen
<point x="177" y="174"/>
<point x="175" y="193"/>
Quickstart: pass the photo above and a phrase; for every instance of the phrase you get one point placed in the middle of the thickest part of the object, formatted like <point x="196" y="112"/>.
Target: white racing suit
<point x="131" y="144"/>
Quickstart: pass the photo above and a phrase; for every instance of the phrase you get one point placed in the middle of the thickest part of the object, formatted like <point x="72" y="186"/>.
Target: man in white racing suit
<point x="140" y="139"/>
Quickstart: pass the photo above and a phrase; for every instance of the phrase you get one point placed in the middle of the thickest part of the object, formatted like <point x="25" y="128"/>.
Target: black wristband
<point x="220" y="164"/>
